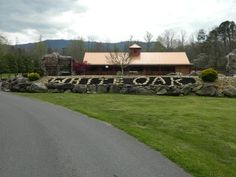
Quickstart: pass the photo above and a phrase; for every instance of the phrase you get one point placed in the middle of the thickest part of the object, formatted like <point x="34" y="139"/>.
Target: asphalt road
<point x="43" y="140"/>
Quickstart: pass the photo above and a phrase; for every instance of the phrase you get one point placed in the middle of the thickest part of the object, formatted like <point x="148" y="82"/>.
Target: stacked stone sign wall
<point x="136" y="81"/>
<point x="133" y="85"/>
<point x="145" y="85"/>
<point x="160" y="85"/>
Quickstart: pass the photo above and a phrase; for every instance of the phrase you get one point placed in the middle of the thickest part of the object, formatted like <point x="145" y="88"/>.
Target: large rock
<point x="115" y="88"/>
<point x="173" y="91"/>
<point x="196" y="87"/>
<point x="186" y="89"/>
<point x="65" y="86"/>
<point x="231" y="62"/>
<point x="60" y="86"/>
<point x="128" y="89"/>
<point x="230" y="91"/>
<point x="208" y="89"/>
<point x="194" y="73"/>
<point x="91" y="89"/>
<point x="21" y="87"/>
<point x="51" y="85"/>
<point x="37" y="88"/>
<point x="80" y="88"/>
<point x="103" y="88"/>
<point x="21" y="80"/>
<point x="162" y="91"/>
<point x="17" y="84"/>
<point x="144" y="91"/>
<point x="5" y="86"/>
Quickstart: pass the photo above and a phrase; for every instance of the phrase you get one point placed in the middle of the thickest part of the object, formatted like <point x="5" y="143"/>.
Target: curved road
<point x="43" y="140"/>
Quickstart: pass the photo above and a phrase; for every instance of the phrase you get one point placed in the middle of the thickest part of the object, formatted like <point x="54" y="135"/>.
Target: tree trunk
<point x="122" y="70"/>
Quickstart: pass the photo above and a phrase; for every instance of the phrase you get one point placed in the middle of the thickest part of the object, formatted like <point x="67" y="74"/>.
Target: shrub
<point x="33" y="76"/>
<point x="24" y="74"/>
<point x="209" y="75"/>
<point x="40" y="72"/>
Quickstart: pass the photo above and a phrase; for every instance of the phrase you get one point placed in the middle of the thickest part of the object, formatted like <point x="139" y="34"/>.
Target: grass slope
<point x="198" y="133"/>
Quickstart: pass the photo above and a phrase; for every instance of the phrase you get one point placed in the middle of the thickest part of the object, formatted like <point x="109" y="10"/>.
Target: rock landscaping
<point x="143" y="85"/>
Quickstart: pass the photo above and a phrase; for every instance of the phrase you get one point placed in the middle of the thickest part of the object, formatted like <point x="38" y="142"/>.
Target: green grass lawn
<point x="198" y="133"/>
<point x="5" y="76"/>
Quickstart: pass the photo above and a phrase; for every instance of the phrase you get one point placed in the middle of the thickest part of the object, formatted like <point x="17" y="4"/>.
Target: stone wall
<point x="144" y="85"/>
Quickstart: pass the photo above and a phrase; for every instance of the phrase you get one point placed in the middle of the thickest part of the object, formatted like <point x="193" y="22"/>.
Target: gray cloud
<point x="17" y="15"/>
<point x="26" y="19"/>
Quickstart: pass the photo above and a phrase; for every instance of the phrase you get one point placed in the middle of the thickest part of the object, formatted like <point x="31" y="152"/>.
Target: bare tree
<point x="122" y="59"/>
<point x="148" y="39"/>
<point x="183" y="37"/>
<point x="171" y="38"/>
<point x="168" y="39"/>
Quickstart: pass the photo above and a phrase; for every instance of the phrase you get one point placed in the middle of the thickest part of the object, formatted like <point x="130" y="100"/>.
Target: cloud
<point x="109" y="20"/>
<point x="17" y="15"/>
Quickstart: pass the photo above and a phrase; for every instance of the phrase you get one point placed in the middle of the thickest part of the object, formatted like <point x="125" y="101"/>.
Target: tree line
<point x="14" y="60"/>
<point x="204" y="49"/>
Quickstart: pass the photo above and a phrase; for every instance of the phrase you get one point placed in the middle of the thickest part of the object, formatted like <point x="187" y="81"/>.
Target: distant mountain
<point x="55" y="44"/>
<point x="59" y="44"/>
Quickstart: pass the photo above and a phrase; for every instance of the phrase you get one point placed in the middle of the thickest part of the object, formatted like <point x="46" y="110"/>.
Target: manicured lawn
<point x="5" y="76"/>
<point x="198" y="133"/>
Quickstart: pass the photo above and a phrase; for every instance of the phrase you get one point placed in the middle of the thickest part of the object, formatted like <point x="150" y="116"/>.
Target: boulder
<point x="208" y="89"/>
<point x="144" y="91"/>
<point x="5" y="86"/>
<point x="124" y="90"/>
<point x="65" y="86"/>
<point x="91" y="89"/>
<point x="186" y="89"/>
<point x="17" y="84"/>
<point x="231" y="63"/>
<point x="196" y="87"/>
<point x="37" y="88"/>
<point x="80" y="88"/>
<point x="219" y="93"/>
<point x="128" y="89"/>
<point x="19" y="87"/>
<point x="15" y="87"/>
<point x="173" y="91"/>
<point x="194" y="73"/>
<point x="60" y="86"/>
<point x="21" y="80"/>
<point x="103" y="88"/>
<point x="67" y="91"/>
<point x="115" y="89"/>
<point x="157" y="88"/>
<point x="162" y="92"/>
<point x="51" y="85"/>
<point x="230" y="91"/>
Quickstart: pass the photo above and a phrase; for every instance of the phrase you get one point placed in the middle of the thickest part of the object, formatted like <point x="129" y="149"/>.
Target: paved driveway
<point x="42" y="140"/>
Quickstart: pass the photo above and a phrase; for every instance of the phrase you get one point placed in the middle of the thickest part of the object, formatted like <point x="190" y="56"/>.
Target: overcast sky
<point x="22" y="21"/>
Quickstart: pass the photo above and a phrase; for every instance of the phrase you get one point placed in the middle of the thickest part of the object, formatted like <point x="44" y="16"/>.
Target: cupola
<point x="135" y="50"/>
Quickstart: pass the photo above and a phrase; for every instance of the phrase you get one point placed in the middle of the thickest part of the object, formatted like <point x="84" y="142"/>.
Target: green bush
<point x="24" y="74"/>
<point x="209" y="75"/>
<point x="40" y="72"/>
<point x="33" y="76"/>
